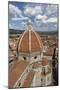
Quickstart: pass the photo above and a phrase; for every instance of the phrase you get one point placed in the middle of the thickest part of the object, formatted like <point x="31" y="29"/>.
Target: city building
<point x="32" y="67"/>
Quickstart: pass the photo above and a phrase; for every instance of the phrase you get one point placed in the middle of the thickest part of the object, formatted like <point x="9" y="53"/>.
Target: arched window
<point x="35" y="57"/>
<point x="24" y="58"/>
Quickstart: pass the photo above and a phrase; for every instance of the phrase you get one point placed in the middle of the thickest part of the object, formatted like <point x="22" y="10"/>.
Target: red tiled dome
<point x="30" y="42"/>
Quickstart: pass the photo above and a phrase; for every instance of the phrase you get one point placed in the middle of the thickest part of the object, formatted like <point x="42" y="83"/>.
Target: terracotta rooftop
<point x="28" y="80"/>
<point x="13" y="46"/>
<point x="30" y="41"/>
<point x="51" y="42"/>
<point x="16" y="72"/>
<point x="49" y="51"/>
<point x="44" y="61"/>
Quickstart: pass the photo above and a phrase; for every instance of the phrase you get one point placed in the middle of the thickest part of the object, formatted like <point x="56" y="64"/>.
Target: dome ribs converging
<point x="34" y="42"/>
<point x="23" y="44"/>
<point x="30" y="41"/>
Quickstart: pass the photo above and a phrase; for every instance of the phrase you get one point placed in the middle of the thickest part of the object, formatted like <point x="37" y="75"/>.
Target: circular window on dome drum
<point x="35" y="57"/>
<point x="24" y="58"/>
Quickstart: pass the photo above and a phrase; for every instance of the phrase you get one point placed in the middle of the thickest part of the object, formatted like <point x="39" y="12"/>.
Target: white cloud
<point x="51" y="20"/>
<point x="34" y="10"/>
<point x="50" y="9"/>
<point x="38" y="9"/>
<point x="19" y="19"/>
<point x="55" y="25"/>
<point x="42" y="19"/>
<point x="39" y="19"/>
<point x="23" y="23"/>
<point x="31" y="11"/>
<point x="14" y="11"/>
<point x="15" y="14"/>
<point x="10" y="25"/>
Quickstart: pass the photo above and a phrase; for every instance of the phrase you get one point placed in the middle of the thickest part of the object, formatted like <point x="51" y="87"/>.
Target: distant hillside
<point x="48" y="33"/>
<point x="12" y="31"/>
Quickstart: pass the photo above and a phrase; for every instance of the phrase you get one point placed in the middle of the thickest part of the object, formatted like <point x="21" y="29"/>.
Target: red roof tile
<point x="16" y="72"/>
<point x="28" y="80"/>
<point x="36" y="43"/>
<point x="44" y="62"/>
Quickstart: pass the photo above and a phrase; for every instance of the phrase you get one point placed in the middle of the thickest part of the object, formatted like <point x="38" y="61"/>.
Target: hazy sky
<point x="44" y="17"/>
